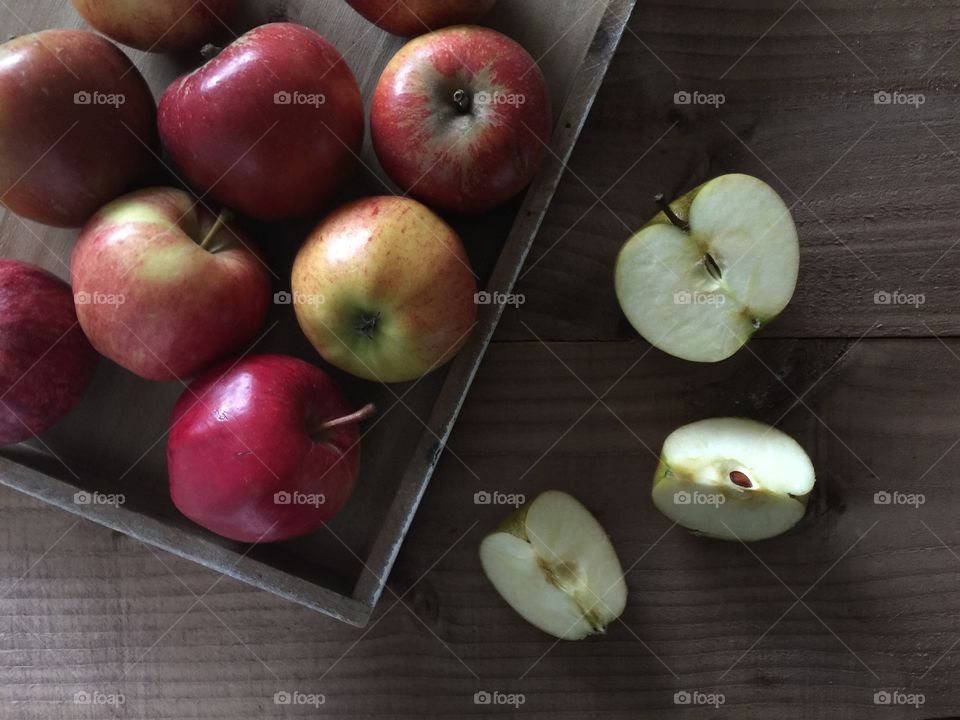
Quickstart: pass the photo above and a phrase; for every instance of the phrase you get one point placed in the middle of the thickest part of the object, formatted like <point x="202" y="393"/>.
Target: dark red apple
<point x="461" y="118"/>
<point x="164" y="287"/>
<point x="270" y="127"/>
<point x="158" y="25"/>
<point x="415" y="17"/>
<point x="78" y="124"/>
<point x="264" y="449"/>
<point x="45" y="361"/>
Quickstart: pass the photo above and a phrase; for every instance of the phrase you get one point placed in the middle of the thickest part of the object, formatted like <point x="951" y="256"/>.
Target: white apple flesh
<point x="733" y="479"/>
<point x="554" y="564"/>
<point x="702" y="277"/>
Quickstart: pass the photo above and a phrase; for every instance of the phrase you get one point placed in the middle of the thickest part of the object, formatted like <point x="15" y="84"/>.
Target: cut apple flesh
<point x="553" y="563"/>
<point x="700" y="293"/>
<point x="733" y="479"/>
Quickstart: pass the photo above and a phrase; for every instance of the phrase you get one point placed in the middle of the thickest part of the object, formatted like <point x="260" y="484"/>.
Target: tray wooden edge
<point x="357" y="609"/>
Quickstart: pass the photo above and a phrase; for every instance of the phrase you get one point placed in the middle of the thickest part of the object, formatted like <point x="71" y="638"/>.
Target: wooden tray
<point x="115" y="441"/>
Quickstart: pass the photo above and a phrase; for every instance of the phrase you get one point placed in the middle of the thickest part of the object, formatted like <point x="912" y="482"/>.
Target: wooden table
<point x="863" y="599"/>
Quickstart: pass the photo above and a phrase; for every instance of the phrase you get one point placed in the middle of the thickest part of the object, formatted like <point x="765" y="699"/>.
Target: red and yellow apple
<point x="78" y="124"/>
<point x="263" y="449"/>
<point x="270" y="127"/>
<point x="415" y="17"/>
<point x="461" y="119"/>
<point x="383" y="289"/>
<point x="45" y="361"/>
<point x="158" y="25"/>
<point x="164" y="287"/>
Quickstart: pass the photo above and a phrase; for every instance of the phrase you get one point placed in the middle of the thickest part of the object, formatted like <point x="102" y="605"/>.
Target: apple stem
<point x="462" y="101"/>
<point x="671" y="215"/>
<point x="210" y="51"/>
<point x="355" y="417"/>
<point x="222" y="219"/>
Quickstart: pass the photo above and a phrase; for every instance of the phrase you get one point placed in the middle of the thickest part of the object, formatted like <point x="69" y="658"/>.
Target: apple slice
<point x="710" y="269"/>
<point x="554" y="564"/>
<point x="733" y="479"/>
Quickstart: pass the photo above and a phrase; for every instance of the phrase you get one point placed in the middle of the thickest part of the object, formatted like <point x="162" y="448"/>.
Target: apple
<point x="45" y="361"/>
<point x="733" y="479"/>
<point x="78" y="125"/>
<point x="161" y="26"/>
<point x="264" y="448"/>
<point x="710" y="269"/>
<point x="461" y="119"/>
<point x="553" y="563"/>
<point x="271" y="127"/>
<point x="164" y="287"/>
<point x="384" y="290"/>
<point x="415" y="17"/>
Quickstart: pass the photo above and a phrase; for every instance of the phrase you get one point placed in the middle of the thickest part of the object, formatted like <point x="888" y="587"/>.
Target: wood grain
<point x="85" y="609"/>
<point x="96" y="611"/>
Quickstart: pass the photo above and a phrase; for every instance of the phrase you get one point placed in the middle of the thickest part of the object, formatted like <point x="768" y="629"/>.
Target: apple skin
<point x="466" y="161"/>
<point x="415" y="17"/>
<point x="226" y="131"/>
<point x="162" y="26"/>
<point x="392" y="260"/>
<point x="183" y="307"/>
<point x="243" y="432"/>
<point x="45" y="361"/>
<point x="61" y="160"/>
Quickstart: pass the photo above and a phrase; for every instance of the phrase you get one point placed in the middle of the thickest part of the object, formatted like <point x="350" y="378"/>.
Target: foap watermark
<point x="495" y="697"/>
<point x="695" y="97"/>
<point x="895" y="97"/>
<point x="499" y="98"/>
<point x="683" y="297"/>
<point x="288" y="298"/>
<point x="698" y="697"/>
<point x="895" y="697"/>
<point x="685" y="497"/>
<point x="484" y="497"/>
<point x="82" y="497"/>
<point x="96" y="97"/>
<point x="299" y="98"/>
<point x="885" y="297"/>
<point x="99" y="298"/>
<point x="498" y="298"/>
<point x="885" y="497"/>
<point x="295" y="697"/>
<point x="299" y="498"/>
<point x="98" y="697"/>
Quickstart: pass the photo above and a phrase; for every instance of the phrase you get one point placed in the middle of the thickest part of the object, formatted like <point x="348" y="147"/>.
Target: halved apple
<point x="554" y="564"/>
<point x="710" y="269"/>
<point x="733" y="479"/>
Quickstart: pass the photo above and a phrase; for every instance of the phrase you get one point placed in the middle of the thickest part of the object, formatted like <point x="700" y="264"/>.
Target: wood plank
<point x="875" y="186"/>
<point x="96" y="611"/>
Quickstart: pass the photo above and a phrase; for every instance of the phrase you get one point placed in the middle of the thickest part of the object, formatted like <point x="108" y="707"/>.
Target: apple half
<point x="733" y="479"/>
<point x="710" y="269"/>
<point x="554" y="564"/>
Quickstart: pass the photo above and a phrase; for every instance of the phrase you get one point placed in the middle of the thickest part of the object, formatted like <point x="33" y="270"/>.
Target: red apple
<point x="164" y="287"/>
<point x="158" y="25"/>
<point x="270" y="127"/>
<point x="415" y="17"/>
<point x="263" y="449"/>
<point x="384" y="290"/>
<point x="78" y="124"/>
<point x="45" y="361"/>
<point x="461" y="118"/>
